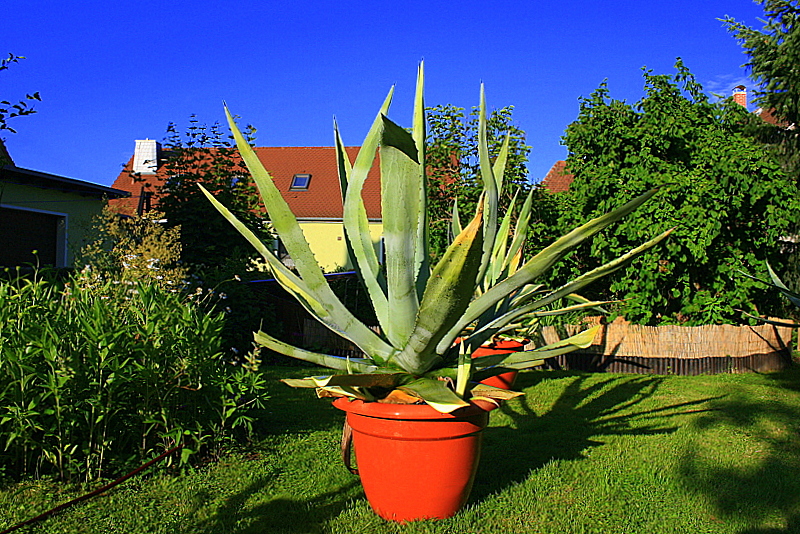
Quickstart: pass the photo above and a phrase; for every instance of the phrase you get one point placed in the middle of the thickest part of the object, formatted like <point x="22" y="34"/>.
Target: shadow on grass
<point x="759" y="485"/>
<point x="278" y="515"/>
<point x="264" y="505"/>
<point x="585" y="412"/>
<point x="291" y="410"/>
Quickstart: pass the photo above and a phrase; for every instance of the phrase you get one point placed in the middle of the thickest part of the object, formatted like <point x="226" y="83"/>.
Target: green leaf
<point x="520" y="230"/>
<point x="356" y="225"/>
<point x="791" y="295"/>
<point x="491" y="192"/>
<point x="325" y="360"/>
<point x="436" y="394"/>
<point x="447" y="295"/>
<point x="499" y="256"/>
<point x="422" y="259"/>
<point x="291" y="234"/>
<point x="488" y="365"/>
<point x="456" y="227"/>
<point x="401" y="194"/>
<point x="368" y="380"/>
<point x="540" y="263"/>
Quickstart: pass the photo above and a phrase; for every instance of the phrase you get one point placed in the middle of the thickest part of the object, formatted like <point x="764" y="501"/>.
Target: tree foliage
<point x="774" y="63"/>
<point x="452" y="163"/>
<point x="136" y="249"/>
<point x="728" y="198"/>
<point x="205" y="155"/>
<point x="8" y="109"/>
<point x="216" y="257"/>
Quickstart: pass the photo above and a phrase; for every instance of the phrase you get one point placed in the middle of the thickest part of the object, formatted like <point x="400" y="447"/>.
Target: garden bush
<point x="97" y="375"/>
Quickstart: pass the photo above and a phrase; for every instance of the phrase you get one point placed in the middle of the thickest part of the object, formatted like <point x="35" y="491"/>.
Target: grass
<point x="580" y="453"/>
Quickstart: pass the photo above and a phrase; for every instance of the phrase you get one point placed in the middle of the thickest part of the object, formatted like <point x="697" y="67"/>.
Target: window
<point x="24" y="230"/>
<point x="300" y="182"/>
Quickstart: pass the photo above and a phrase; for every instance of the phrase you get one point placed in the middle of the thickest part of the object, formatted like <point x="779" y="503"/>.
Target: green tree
<point x="452" y="163"/>
<point x="9" y="110"/>
<point x="204" y="155"/>
<point x="728" y="198"/>
<point x="774" y="64"/>
<point x="215" y="255"/>
<point x="136" y="249"/>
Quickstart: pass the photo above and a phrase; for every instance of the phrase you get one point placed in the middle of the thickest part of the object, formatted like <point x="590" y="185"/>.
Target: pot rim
<point x="408" y="411"/>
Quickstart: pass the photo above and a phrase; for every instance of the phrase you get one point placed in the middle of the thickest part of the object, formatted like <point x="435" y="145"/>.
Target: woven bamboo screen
<point x="622" y="339"/>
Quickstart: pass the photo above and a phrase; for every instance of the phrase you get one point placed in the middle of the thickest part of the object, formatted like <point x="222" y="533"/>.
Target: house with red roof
<point x="558" y="179"/>
<point x="307" y="177"/>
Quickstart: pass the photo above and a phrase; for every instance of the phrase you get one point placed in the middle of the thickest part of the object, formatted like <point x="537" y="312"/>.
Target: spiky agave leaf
<point x="418" y="132"/>
<point x="317" y="290"/>
<point x="524" y="359"/>
<point x="446" y="296"/>
<point x="326" y="360"/>
<point x="355" y="222"/>
<point x="401" y="208"/>
<point x="542" y="261"/>
<point x="493" y="395"/>
<point x="420" y="312"/>
<point x="435" y="393"/>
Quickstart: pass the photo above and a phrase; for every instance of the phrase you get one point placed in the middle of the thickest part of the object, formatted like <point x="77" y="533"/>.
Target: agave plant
<point x="519" y="313"/>
<point x="421" y="309"/>
<point x="776" y="283"/>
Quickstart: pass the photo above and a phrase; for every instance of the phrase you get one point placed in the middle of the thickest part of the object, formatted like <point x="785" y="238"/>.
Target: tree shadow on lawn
<point x="293" y="410"/>
<point x="264" y="506"/>
<point x="586" y="410"/>
<point x="280" y="514"/>
<point x="760" y="486"/>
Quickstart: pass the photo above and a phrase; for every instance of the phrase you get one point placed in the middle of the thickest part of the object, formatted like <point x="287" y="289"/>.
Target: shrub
<point x="136" y="248"/>
<point x="97" y="374"/>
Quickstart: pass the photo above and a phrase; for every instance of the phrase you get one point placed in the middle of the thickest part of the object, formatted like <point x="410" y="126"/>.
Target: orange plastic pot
<point x="414" y="462"/>
<point x="506" y="346"/>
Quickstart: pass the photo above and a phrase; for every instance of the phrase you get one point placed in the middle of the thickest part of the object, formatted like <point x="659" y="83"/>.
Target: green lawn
<point x="579" y="453"/>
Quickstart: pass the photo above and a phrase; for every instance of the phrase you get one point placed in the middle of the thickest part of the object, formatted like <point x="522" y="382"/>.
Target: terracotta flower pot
<point x="504" y="346"/>
<point x="414" y="462"/>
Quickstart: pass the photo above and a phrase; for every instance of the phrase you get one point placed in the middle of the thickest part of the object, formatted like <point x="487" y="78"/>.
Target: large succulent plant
<point x="422" y="310"/>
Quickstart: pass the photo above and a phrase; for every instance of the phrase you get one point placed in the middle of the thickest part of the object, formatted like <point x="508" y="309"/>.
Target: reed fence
<point x="622" y="347"/>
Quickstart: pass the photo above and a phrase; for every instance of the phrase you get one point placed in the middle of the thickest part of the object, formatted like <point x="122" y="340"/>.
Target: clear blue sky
<point x="113" y="72"/>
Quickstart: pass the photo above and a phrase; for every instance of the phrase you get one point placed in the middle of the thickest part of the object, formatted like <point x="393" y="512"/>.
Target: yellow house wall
<point x="326" y="239"/>
<point x="79" y="211"/>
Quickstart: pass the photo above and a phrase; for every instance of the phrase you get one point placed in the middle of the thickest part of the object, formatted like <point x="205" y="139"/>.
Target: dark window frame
<point x="300" y="182"/>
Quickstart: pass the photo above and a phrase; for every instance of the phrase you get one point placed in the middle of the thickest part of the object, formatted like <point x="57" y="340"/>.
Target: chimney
<point x="145" y="156"/>
<point x="740" y="95"/>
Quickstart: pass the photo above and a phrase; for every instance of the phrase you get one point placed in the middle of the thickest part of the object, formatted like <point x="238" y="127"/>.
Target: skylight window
<point x="300" y="182"/>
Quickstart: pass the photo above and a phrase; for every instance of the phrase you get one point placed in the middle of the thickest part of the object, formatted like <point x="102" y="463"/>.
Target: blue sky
<point x="110" y="73"/>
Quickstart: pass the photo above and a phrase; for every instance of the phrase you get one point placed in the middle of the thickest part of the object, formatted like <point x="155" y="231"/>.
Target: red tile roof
<point x="558" y="179"/>
<point x="322" y="200"/>
<point x="768" y="115"/>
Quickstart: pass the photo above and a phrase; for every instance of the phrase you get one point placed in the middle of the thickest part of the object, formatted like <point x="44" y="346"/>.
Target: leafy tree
<point x="205" y="155"/>
<point x="452" y="163"/>
<point x="136" y="249"/>
<point x="216" y="257"/>
<point x="9" y="110"/>
<point x="727" y="197"/>
<point x="774" y="64"/>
